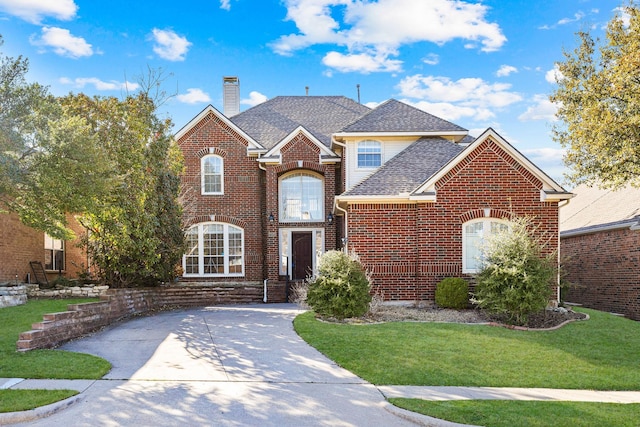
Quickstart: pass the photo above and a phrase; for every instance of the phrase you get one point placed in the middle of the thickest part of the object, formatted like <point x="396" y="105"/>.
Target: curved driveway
<point x="219" y="366"/>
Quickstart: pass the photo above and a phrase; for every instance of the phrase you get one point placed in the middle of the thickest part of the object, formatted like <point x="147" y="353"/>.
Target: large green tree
<point x="50" y="164"/>
<point x="598" y="98"/>
<point x="135" y="234"/>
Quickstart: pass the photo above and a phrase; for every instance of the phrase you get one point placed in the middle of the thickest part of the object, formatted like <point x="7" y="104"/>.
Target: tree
<point x="515" y="279"/>
<point x="135" y="234"/>
<point x="50" y="163"/>
<point x="598" y="98"/>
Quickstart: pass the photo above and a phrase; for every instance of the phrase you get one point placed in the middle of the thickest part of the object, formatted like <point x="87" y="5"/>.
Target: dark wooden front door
<point x="302" y="249"/>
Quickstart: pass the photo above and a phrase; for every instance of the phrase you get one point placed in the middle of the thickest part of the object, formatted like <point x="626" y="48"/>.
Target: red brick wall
<point x="20" y="245"/>
<point x="604" y="269"/>
<point x="242" y="203"/>
<point x="409" y="248"/>
<point x="299" y="154"/>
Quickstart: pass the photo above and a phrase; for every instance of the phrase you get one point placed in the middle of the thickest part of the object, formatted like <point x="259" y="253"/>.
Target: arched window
<point x="212" y="171"/>
<point x="474" y="234"/>
<point x="214" y="249"/>
<point x="301" y="197"/>
<point x="369" y="154"/>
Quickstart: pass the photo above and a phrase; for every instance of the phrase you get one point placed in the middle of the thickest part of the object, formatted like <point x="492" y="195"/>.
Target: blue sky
<point x="476" y="63"/>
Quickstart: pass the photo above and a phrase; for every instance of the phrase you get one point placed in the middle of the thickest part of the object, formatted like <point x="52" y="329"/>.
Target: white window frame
<point x="203" y="175"/>
<point x="226" y="253"/>
<point x="368" y="144"/>
<point x="286" y="251"/>
<point x="283" y="217"/>
<point x="54" y="246"/>
<point x="485" y="232"/>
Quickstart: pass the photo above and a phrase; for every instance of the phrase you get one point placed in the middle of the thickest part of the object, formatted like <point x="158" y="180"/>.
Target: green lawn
<point x="40" y="363"/>
<point x="502" y="413"/>
<point x="600" y="354"/>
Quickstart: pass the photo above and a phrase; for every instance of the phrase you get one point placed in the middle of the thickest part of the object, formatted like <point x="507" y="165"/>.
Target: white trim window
<point x="301" y="197"/>
<point x="214" y="249"/>
<point x="53" y="253"/>
<point x="369" y="154"/>
<point x="474" y="234"/>
<point x="212" y="174"/>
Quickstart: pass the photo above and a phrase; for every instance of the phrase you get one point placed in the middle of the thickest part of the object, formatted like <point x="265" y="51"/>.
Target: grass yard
<point x="23" y="400"/>
<point x="501" y="413"/>
<point x="599" y="354"/>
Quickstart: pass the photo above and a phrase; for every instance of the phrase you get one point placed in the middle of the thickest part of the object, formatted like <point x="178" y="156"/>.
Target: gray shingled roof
<point x="396" y="116"/>
<point x="405" y="172"/>
<point x="594" y="207"/>
<point x="268" y="123"/>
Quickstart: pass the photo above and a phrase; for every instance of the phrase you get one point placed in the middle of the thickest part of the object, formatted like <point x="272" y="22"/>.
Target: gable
<point x="311" y="148"/>
<point x="211" y="116"/>
<point x="490" y="140"/>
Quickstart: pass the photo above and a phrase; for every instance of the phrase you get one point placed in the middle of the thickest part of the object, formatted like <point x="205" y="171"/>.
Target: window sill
<point x="191" y="276"/>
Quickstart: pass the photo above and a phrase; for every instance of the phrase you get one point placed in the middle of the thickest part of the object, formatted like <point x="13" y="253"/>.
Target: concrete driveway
<point x="219" y="366"/>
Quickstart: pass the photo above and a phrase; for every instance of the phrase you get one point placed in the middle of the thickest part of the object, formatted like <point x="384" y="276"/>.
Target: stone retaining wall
<point x="82" y="291"/>
<point x="116" y="304"/>
<point x="12" y="295"/>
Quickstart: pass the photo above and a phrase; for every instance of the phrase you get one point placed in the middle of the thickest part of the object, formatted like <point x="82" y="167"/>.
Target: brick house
<point x="20" y="245"/>
<point x="272" y="188"/>
<point x="600" y="244"/>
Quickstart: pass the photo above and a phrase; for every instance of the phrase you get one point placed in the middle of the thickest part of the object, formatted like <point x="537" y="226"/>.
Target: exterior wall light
<point x="330" y="218"/>
<point x="271" y="217"/>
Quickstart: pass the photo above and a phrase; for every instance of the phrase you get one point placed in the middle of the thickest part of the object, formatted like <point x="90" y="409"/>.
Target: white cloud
<point x="62" y="42"/>
<point x="554" y="75"/>
<point x="550" y="160"/>
<point x="34" y="11"/>
<point x="542" y="109"/>
<point x="361" y="62"/>
<point x="431" y="59"/>
<point x="468" y="97"/>
<point x="169" y="45"/>
<point x="254" y="99"/>
<point x="505" y="70"/>
<point x="98" y="84"/>
<point x="378" y="29"/>
<point x="194" y="96"/>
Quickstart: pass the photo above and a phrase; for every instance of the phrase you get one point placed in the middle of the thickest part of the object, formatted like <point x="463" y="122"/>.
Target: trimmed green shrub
<point x="452" y="292"/>
<point x="516" y="278"/>
<point x="341" y="288"/>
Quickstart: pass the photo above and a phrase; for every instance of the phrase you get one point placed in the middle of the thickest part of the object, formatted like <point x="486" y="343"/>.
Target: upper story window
<point x="214" y="249"/>
<point x="301" y="197"/>
<point x="53" y="253"/>
<point x="369" y="154"/>
<point x="212" y="171"/>
<point x="474" y="234"/>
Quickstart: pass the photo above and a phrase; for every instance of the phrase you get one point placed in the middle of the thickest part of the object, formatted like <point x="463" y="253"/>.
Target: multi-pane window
<point x="53" y="253"/>
<point x="301" y="198"/>
<point x="212" y="171"/>
<point x="369" y="154"/>
<point x="214" y="249"/>
<point x="474" y="234"/>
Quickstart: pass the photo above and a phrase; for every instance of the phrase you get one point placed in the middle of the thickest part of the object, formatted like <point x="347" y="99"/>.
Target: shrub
<point x="452" y="292"/>
<point x="341" y="288"/>
<point x="516" y="278"/>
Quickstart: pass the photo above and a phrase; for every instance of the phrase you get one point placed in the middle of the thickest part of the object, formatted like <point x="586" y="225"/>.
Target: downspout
<point x="264" y="282"/>
<point x="559" y="260"/>
<point x="346" y="228"/>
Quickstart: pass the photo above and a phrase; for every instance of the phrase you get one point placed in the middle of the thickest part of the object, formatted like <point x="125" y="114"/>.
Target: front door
<point x="302" y="252"/>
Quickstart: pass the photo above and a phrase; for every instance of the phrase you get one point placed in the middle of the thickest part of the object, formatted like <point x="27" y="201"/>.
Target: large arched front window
<point x="301" y="197"/>
<point x="474" y="234"/>
<point x="214" y="249"/>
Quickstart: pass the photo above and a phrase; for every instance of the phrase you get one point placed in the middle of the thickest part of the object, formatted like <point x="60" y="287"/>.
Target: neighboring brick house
<point x="275" y="186"/>
<point x="20" y="245"/>
<point x="600" y="246"/>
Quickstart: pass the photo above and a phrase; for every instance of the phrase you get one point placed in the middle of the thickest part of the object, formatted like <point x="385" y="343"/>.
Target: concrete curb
<point x="41" y="412"/>
<point x="419" y="419"/>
